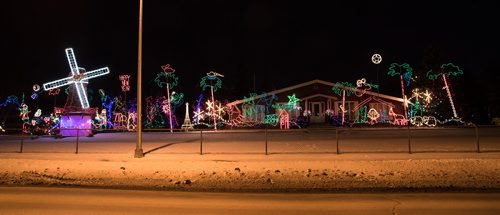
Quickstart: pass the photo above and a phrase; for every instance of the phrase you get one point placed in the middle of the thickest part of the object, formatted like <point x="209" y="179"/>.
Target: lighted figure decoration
<point x="307" y="113"/>
<point x="107" y="103"/>
<point x="187" y="125"/>
<point x="362" y="86"/>
<point x="211" y="77"/>
<point x="398" y="119"/>
<point x="163" y="79"/>
<point x="373" y="115"/>
<point x="376" y="58"/>
<point x="397" y="69"/>
<point x="24" y="112"/>
<point x="76" y="78"/>
<point x="131" y="121"/>
<point x="448" y="69"/>
<point x="267" y="101"/>
<point x="101" y="120"/>
<point x="362" y="114"/>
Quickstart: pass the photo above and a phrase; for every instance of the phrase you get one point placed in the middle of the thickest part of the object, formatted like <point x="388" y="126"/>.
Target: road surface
<point x="52" y="200"/>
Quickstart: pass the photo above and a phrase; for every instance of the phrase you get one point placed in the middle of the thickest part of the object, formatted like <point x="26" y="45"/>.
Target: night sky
<point x="281" y="43"/>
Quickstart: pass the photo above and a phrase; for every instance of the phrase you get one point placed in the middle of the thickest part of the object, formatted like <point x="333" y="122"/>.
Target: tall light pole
<point x="138" y="147"/>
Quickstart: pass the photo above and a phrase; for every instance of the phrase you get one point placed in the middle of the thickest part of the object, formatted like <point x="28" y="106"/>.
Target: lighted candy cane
<point x="402" y="75"/>
<point x="168" y="72"/>
<point x="212" y="76"/>
<point x="446" y="70"/>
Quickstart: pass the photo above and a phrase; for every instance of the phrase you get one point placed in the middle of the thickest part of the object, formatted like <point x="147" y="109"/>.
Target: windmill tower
<point x="187" y="125"/>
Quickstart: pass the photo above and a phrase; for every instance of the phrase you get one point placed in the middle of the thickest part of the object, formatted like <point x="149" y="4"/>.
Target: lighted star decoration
<point x="219" y="109"/>
<point x="427" y="96"/>
<point x="292" y="100"/>
<point x="198" y="115"/>
<point x="210" y="106"/>
<point x="416" y="94"/>
<point x="376" y="58"/>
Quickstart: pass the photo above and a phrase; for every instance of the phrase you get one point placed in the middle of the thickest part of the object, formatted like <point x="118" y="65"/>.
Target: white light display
<point x="376" y="58"/>
<point x="77" y="78"/>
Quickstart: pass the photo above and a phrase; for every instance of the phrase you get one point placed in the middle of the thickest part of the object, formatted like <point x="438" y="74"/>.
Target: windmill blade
<point x="82" y="95"/>
<point x="72" y="61"/>
<point x="95" y="73"/>
<point x="58" y="83"/>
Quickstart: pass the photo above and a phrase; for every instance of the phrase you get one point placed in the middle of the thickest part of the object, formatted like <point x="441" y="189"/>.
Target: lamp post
<point x="138" y="147"/>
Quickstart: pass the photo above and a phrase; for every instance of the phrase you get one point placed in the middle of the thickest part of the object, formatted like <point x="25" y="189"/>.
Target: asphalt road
<point x="46" y="200"/>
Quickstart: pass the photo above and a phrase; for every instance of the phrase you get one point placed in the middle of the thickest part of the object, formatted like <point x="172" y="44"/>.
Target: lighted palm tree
<point x="405" y="72"/>
<point x="446" y="70"/>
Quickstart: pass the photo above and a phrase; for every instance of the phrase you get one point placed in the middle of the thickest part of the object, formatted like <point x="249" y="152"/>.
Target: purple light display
<point x="71" y="122"/>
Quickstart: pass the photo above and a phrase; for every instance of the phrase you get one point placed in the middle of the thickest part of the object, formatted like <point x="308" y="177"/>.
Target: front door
<point x="317" y="112"/>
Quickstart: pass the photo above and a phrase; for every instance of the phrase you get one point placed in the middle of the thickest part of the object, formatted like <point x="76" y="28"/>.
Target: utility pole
<point x="138" y="147"/>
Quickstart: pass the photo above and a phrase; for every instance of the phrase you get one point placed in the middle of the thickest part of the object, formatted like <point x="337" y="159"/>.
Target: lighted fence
<point x="263" y="141"/>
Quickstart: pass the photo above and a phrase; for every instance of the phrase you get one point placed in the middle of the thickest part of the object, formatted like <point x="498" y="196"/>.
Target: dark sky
<point x="280" y="42"/>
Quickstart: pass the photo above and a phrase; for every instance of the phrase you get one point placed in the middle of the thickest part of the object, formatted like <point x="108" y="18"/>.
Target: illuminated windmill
<point x="77" y="77"/>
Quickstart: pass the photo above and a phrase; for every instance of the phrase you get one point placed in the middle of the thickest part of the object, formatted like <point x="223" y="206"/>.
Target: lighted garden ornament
<point x="76" y="78"/>
<point x="376" y="58"/>
<point x="168" y="73"/>
<point x="405" y="72"/>
<point x="445" y="70"/>
<point x="211" y="77"/>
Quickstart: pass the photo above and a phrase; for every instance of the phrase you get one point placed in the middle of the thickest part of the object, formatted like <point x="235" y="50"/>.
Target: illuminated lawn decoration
<point x="398" y="119"/>
<point x="376" y="58"/>
<point x="448" y="69"/>
<point x="405" y="73"/>
<point x="211" y="77"/>
<point x="187" y="125"/>
<point x="373" y="115"/>
<point x="342" y="91"/>
<point x="125" y="82"/>
<point x="76" y="78"/>
<point x="362" y="86"/>
<point x="107" y="103"/>
<point x="163" y="78"/>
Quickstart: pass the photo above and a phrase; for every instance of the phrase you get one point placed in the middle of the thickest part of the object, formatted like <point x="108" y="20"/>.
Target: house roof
<point x="316" y="81"/>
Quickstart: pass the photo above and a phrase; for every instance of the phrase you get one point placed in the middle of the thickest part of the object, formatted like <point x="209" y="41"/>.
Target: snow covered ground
<point x="298" y="160"/>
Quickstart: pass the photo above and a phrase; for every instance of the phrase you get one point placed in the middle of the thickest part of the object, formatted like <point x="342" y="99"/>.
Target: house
<point x="318" y="103"/>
